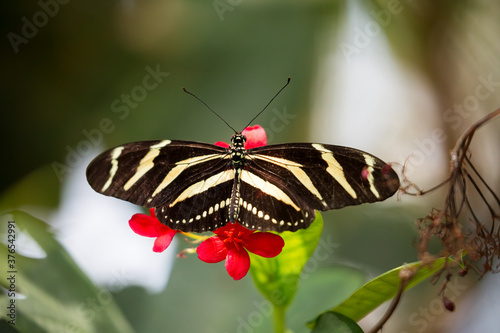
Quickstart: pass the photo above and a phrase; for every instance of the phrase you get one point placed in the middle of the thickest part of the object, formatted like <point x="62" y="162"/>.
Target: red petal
<point x="264" y="244"/>
<point x="212" y="250"/>
<point x="163" y="241"/>
<point x="234" y="229"/>
<point x="256" y="136"/>
<point x="146" y="225"/>
<point x="221" y="144"/>
<point x="237" y="263"/>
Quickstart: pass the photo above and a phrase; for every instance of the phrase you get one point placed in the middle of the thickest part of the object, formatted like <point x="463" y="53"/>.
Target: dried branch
<point x="461" y="225"/>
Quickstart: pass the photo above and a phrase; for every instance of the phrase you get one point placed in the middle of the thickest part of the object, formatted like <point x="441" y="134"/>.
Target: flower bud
<point x="448" y="304"/>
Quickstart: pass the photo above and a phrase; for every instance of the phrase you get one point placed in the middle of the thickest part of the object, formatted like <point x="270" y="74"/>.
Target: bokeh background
<point x="400" y="79"/>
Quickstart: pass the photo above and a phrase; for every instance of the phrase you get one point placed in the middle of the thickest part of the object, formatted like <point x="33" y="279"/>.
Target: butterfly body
<point x="200" y="187"/>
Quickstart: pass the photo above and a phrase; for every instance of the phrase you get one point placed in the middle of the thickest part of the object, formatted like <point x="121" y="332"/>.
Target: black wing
<point x="188" y="182"/>
<point x="282" y="185"/>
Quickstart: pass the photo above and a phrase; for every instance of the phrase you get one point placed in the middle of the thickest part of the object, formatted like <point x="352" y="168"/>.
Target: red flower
<point x="256" y="137"/>
<point x="232" y="242"/>
<point x="150" y="226"/>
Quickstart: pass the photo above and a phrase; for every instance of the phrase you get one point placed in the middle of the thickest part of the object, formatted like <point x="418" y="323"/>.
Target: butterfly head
<point x="238" y="140"/>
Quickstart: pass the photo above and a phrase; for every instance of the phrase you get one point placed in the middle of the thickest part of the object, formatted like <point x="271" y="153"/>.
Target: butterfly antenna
<point x="272" y="99"/>
<point x="208" y="107"/>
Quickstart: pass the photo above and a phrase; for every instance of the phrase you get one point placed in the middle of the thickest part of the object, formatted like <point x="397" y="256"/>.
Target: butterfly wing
<point x="286" y="183"/>
<point x="281" y="186"/>
<point x="201" y="206"/>
<point x="181" y="178"/>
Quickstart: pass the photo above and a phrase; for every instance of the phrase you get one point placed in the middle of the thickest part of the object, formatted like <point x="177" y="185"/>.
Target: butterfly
<point x="197" y="187"/>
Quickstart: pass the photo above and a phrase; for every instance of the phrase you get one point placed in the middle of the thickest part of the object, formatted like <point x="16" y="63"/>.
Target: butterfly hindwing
<point x="199" y="208"/>
<point x="271" y="204"/>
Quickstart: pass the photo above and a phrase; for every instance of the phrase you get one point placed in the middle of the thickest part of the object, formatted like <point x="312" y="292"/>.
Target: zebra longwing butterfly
<point x="199" y="187"/>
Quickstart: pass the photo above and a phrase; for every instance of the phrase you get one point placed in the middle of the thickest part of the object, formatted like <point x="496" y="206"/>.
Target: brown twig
<point x="405" y="279"/>
<point x="464" y="181"/>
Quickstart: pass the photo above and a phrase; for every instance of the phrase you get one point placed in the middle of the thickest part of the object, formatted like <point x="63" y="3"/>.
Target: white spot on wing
<point x="146" y="163"/>
<point x="115" y="153"/>
<point x="370" y="161"/>
<point x="335" y="169"/>
<point x="179" y="168"/>
<point x="296" y="169"/>
<point x="204" y="185"/>
<point x="267" y="187"/>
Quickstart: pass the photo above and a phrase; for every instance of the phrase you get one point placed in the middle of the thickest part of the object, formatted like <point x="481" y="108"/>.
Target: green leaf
<point x="331" y="322"/>
<point x="277" y="278"/>
<point x="56" y="294"/>
<point x="383" y="288"/>
<point x="320" y="289"/>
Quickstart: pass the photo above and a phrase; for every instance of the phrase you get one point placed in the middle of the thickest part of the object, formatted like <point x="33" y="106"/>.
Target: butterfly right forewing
<point x="152" y="173"/>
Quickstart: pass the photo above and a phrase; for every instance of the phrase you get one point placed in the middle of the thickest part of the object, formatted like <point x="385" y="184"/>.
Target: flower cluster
<point x="231" y="242"/>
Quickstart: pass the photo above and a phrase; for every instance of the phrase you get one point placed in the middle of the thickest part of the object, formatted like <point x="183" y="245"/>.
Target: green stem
<point x="279" y="319"/>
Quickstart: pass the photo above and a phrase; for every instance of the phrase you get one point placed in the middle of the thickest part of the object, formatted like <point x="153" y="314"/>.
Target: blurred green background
<point x="401" y="79"/>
